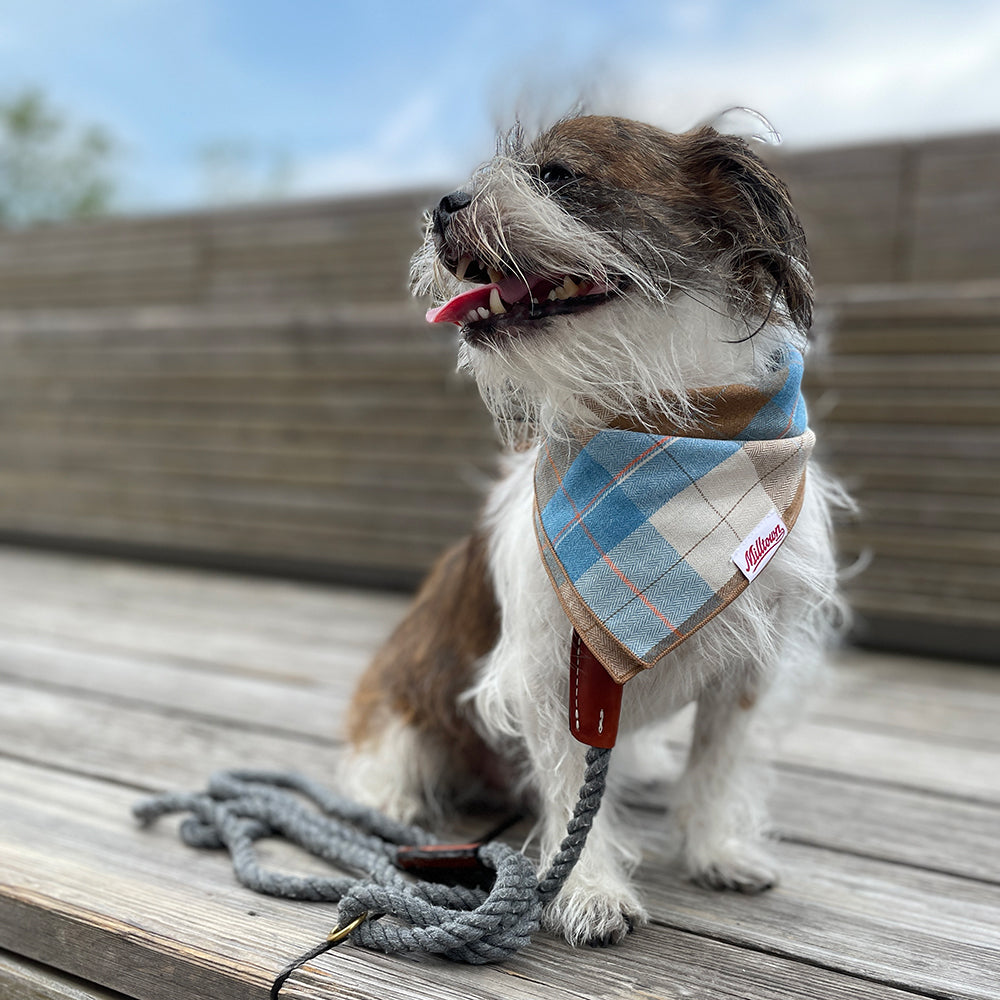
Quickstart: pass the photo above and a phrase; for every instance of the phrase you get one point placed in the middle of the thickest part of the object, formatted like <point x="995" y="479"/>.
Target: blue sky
<point x="349" y="96"/>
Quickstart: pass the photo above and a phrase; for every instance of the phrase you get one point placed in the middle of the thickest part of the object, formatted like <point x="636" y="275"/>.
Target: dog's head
<point x="609" y="267"/>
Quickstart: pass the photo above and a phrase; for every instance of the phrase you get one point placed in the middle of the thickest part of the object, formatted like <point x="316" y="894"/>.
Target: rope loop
<point x="463" y="924"/>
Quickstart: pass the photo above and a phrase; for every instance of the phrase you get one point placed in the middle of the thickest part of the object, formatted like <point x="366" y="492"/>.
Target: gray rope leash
<point x="464" y="924"/>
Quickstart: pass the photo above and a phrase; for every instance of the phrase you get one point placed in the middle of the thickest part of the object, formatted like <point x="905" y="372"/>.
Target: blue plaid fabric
<point x="637" y="529"/>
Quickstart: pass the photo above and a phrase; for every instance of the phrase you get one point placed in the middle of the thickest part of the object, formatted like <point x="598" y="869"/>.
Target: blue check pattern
<point x="637" y="530"/>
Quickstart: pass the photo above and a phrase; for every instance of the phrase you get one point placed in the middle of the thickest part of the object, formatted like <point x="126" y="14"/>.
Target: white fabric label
<point x="756" y="549"/>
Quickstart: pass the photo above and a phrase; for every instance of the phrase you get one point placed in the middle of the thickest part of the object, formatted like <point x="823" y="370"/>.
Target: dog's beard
<point x="627" y="359"/>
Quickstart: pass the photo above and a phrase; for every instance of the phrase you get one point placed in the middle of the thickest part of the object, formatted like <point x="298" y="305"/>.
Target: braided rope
<point x="460" y="923"/>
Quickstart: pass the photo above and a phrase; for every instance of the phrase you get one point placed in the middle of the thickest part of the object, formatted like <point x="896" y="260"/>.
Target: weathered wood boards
<point x="253" y="388"/>
<point x="918" y="211"/>
<point x="116" y="679"/>
<point x="906" y="396"/>
<point x="331" y="252"/>
<point x="325" y="438"/>
<point x="340" y="443"/>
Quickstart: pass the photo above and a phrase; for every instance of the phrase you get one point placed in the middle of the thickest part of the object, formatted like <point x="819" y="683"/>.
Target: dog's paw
<point x="590" y="916"/>
<point x="737" y="867"/>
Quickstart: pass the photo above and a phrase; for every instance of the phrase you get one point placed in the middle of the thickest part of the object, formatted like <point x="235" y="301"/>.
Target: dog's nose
<point x="447" y="207"/>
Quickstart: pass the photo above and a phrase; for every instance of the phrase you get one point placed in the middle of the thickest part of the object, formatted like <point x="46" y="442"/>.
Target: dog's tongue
<point x="455" y="310"/>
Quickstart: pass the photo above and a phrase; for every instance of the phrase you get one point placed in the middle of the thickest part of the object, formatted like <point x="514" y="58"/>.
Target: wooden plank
<point x="321" y="503"/>
<point x="113" y="589"/>
<point x="79" y="604"/>
<point x="965" y="371"/>
<point x="929" y="509"/>
<point x="62" y="615"/>
<point x="26" y="980"/>
<point x="957" y="210"/>
<point x="950" y="927"/>
<point x="971" y="545"/>
<point x="331" y="552"/>
<point x="958" y="711"/>
<point x="418" y="440"/>
<point x="944" y="407"/>
<point x="126" y="910"/>
<point x="933" y="678"/>
<point x="957" y="922"/>
<point x="937" y="475"/>
<point x="914" y="442"/>
<point x="906" y="758"/>
<point x="949" y="580"/>
<point x="940" y="341"/>
<point x="926" y="608"/>
<point x="900" y="825"/>
<point x="339" y="250"/>
<point x="54" y="729"/>
<point x="356" y="476"/>
<point x="138" y="910"/>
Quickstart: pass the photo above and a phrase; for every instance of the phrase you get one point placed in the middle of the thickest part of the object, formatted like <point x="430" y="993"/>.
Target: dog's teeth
<point x="570" y="287"/>
<point x="463" y="266"/>
<point x="496" y="305"/>
<point x="494" y="274"/>
<point x="472" y="315"/>
<point x="553" y="296"/>
<point x="483" y="312"/>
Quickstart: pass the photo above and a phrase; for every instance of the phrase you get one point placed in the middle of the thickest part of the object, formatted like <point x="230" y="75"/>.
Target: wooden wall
<point x="334" y="252"/>
<point x="900" y="212"/>
<point x="315" y="440"/>
<point x="904" y="390"/>
<point x="254" y="388"/>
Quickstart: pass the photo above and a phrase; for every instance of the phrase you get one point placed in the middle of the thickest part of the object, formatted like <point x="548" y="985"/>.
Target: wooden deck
<point x="118" y="679"/>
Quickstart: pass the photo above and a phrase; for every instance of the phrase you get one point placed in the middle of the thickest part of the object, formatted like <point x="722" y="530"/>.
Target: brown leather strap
<point x="595" y="698"/>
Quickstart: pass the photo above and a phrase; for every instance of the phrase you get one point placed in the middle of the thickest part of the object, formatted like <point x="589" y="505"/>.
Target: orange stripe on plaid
<point x="628" y="583"/>
<point x="593" y="541"/>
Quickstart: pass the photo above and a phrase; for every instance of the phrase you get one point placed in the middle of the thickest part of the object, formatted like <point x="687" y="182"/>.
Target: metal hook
<point x="335" y="937"/>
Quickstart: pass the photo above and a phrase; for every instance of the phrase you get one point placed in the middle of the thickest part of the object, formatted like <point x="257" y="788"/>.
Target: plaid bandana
<point x="637" y="531"/>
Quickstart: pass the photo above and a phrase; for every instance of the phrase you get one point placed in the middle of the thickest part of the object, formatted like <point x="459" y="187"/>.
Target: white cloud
<point x="865" y="71"/>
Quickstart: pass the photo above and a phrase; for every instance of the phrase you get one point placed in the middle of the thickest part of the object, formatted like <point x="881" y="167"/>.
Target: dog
<point x="604" y="274"/>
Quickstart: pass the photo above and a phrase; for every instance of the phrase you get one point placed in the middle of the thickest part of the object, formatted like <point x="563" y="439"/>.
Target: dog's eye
<point x="555" y="175"/>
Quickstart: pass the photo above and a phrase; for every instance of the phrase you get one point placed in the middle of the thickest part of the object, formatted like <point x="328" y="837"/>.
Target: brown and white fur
<point x="688" y="266"/>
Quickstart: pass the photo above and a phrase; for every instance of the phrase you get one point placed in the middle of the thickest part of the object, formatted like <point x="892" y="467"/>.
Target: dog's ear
<point x="766" y="245"/>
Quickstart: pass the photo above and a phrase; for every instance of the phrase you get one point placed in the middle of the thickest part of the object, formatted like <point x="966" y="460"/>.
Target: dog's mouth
<point x="508" y="305"/>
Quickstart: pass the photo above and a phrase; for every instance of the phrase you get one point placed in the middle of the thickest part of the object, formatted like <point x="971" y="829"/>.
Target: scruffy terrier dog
<point x="616" y="283"/>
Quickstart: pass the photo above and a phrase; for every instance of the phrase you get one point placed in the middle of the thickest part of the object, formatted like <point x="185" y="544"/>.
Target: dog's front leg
<point x="598" y="904"/>
<point x="718" y="805"/>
